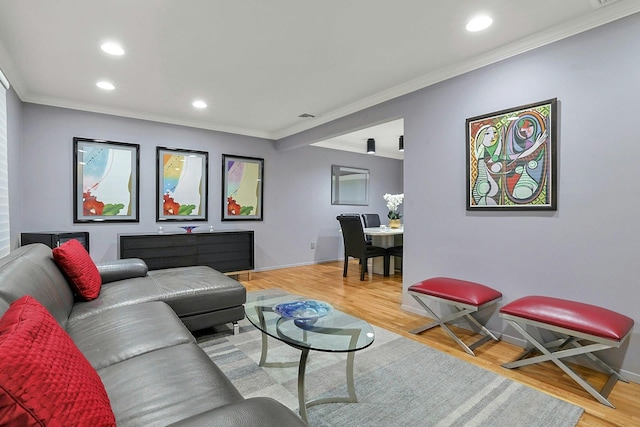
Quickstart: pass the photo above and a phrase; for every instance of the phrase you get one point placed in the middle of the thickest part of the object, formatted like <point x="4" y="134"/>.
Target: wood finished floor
<point x="377" y="300"/>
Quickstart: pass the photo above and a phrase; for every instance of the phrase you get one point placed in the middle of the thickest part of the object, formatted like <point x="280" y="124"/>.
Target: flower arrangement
<point x="393" y="203"/>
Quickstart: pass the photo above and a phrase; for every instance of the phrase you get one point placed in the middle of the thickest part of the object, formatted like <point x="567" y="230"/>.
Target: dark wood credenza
<point x="53" y="239"/>
<point x="230" y="252"/>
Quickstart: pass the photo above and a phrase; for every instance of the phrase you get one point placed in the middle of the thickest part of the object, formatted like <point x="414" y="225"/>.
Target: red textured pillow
<point x="45" y="379"/>
<point x="76" y="263"/>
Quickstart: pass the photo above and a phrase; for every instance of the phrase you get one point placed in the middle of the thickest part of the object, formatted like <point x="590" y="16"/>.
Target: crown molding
<point x="595" y="19"/>
<point x="56" y="102"/>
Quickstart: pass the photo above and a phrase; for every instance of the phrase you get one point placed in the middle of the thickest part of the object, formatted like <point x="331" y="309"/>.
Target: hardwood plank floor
<point x="377" y="299"/>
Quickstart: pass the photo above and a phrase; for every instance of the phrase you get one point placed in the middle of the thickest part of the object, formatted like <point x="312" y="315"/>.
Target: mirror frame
<point x="338" y="172"/>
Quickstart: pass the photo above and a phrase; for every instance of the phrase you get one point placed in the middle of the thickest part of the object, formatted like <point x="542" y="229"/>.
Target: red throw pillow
<point x="75" y="262"/>
<point x="45" y="379"/>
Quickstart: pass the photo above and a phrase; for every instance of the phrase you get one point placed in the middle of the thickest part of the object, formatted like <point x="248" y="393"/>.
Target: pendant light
<point x="371" y="146"/>
<point x="401" y="143"/>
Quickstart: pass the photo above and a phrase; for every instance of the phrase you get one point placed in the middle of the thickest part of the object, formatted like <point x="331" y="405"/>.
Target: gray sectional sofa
<point x="134" y="335"/>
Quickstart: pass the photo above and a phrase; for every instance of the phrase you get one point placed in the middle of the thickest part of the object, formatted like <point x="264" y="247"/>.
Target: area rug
<point x="398" y="381"/>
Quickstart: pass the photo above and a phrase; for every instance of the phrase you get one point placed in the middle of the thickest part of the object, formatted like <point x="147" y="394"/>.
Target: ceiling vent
<point x="597" y="4"/>
<point x="306" y="116"/>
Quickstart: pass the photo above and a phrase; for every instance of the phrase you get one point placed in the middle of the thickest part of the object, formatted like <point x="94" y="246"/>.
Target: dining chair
<point x="371" y="220"/>
<point x="356" y="247"/>
<point x="396" y="251"/>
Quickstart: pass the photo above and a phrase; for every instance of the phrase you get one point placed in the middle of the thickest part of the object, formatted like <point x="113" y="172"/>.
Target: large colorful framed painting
<point x="182" y="182"/>
<point x="105" y="181"/>
<point x="511" y="159"/>
<point x="242" y="188"/>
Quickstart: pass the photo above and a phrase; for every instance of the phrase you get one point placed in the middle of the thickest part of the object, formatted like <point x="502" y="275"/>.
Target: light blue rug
<point x="399" y="382"/>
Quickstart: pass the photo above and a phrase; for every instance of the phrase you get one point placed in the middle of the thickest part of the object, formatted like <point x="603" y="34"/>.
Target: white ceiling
<point x="386" y="136"/>
<point x="260" y="64"/>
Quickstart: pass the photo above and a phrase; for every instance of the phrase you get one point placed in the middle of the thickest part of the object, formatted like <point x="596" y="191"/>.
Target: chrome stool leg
<point x="560" y="352"/>
<point x="463" y="311"/>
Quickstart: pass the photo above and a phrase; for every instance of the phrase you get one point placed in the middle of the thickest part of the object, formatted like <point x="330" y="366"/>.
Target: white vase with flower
<point x="393" y="204"/>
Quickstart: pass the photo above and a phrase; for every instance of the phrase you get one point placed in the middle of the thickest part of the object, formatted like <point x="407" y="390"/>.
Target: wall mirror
<point x="349" y="186"/>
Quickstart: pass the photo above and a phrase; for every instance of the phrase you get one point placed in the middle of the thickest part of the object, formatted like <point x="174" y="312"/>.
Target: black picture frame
<point x="511" y="159"/>
<point x="242" y="188"/>
<point x="106" y="181"/>
<point x="182" y="185"/>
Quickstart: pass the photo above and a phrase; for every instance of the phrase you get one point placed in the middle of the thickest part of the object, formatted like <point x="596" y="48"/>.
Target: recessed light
<point x="199" y="104"/>
<point x="105" y="85"/>
<point x="112" y="48"/>
<point x="479" y="23"/>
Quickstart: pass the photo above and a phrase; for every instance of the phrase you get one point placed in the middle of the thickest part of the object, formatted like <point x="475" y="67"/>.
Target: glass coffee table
<point x="333" y="332"/>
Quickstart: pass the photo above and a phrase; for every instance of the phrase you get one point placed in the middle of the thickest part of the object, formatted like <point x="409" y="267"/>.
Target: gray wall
<point x="297" y="186"/>
<point x="587" y="249"/>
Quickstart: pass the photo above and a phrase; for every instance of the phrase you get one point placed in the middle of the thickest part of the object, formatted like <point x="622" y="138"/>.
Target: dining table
<point x="386" y="237"/>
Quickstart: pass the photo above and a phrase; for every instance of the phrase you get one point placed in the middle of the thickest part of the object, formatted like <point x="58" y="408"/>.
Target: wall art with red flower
<point x="182" y="184"/>
<point x="242" y="188"/>
<point x="105" y="180"/>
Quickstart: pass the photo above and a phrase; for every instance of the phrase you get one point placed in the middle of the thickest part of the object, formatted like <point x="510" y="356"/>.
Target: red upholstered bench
<point x="464" y="297"/>
<point x="584" y="329"/>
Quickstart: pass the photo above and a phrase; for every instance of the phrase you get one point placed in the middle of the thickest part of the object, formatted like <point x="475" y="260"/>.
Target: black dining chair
<point x="371" y="220"/>
<point x="356" y="247"/>
<point x="396" y="251"/>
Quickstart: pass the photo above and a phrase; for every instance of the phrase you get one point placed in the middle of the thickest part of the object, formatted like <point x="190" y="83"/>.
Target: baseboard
<point x="300" y="264"/>
<point x="631" y="376"/>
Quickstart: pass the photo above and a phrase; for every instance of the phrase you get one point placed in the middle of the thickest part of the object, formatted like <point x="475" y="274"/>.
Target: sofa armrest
<point x="121" y="269"/>
<point x="254" y="412"/>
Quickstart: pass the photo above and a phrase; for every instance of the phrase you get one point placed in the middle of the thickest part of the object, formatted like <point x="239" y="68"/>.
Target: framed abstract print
<point x="182" y="182"/>
<point x="105" y="181"/>
<point x="242" y="188"/>
<point x="511" y="158"/>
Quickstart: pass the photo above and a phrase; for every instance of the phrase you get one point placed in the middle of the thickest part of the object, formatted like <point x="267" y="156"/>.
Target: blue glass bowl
<point x="189" y="228"/>
<point x="303" y="313"/>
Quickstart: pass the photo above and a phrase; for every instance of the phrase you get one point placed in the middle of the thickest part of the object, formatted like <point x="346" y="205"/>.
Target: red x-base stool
<point x="583" y="330"/>
<point x="464" y="297"/>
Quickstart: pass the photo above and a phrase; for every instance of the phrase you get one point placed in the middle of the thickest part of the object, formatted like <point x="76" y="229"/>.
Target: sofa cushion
<point x="125" y="332"/>
<point x="45" y="379"/>
<point x="189" y="291"/>
<point x="165" y="386"/>
<point x="117" y="294"/>
<point x="4" y="306"/>
<point x="256" y="411"/>
<point x="30" y="270"/>
<point x="75" y="262"/>
<point x="206" y="290"/>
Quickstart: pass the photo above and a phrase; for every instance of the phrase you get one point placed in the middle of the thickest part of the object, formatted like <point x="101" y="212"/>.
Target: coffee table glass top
<point x="333" y="332"/>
